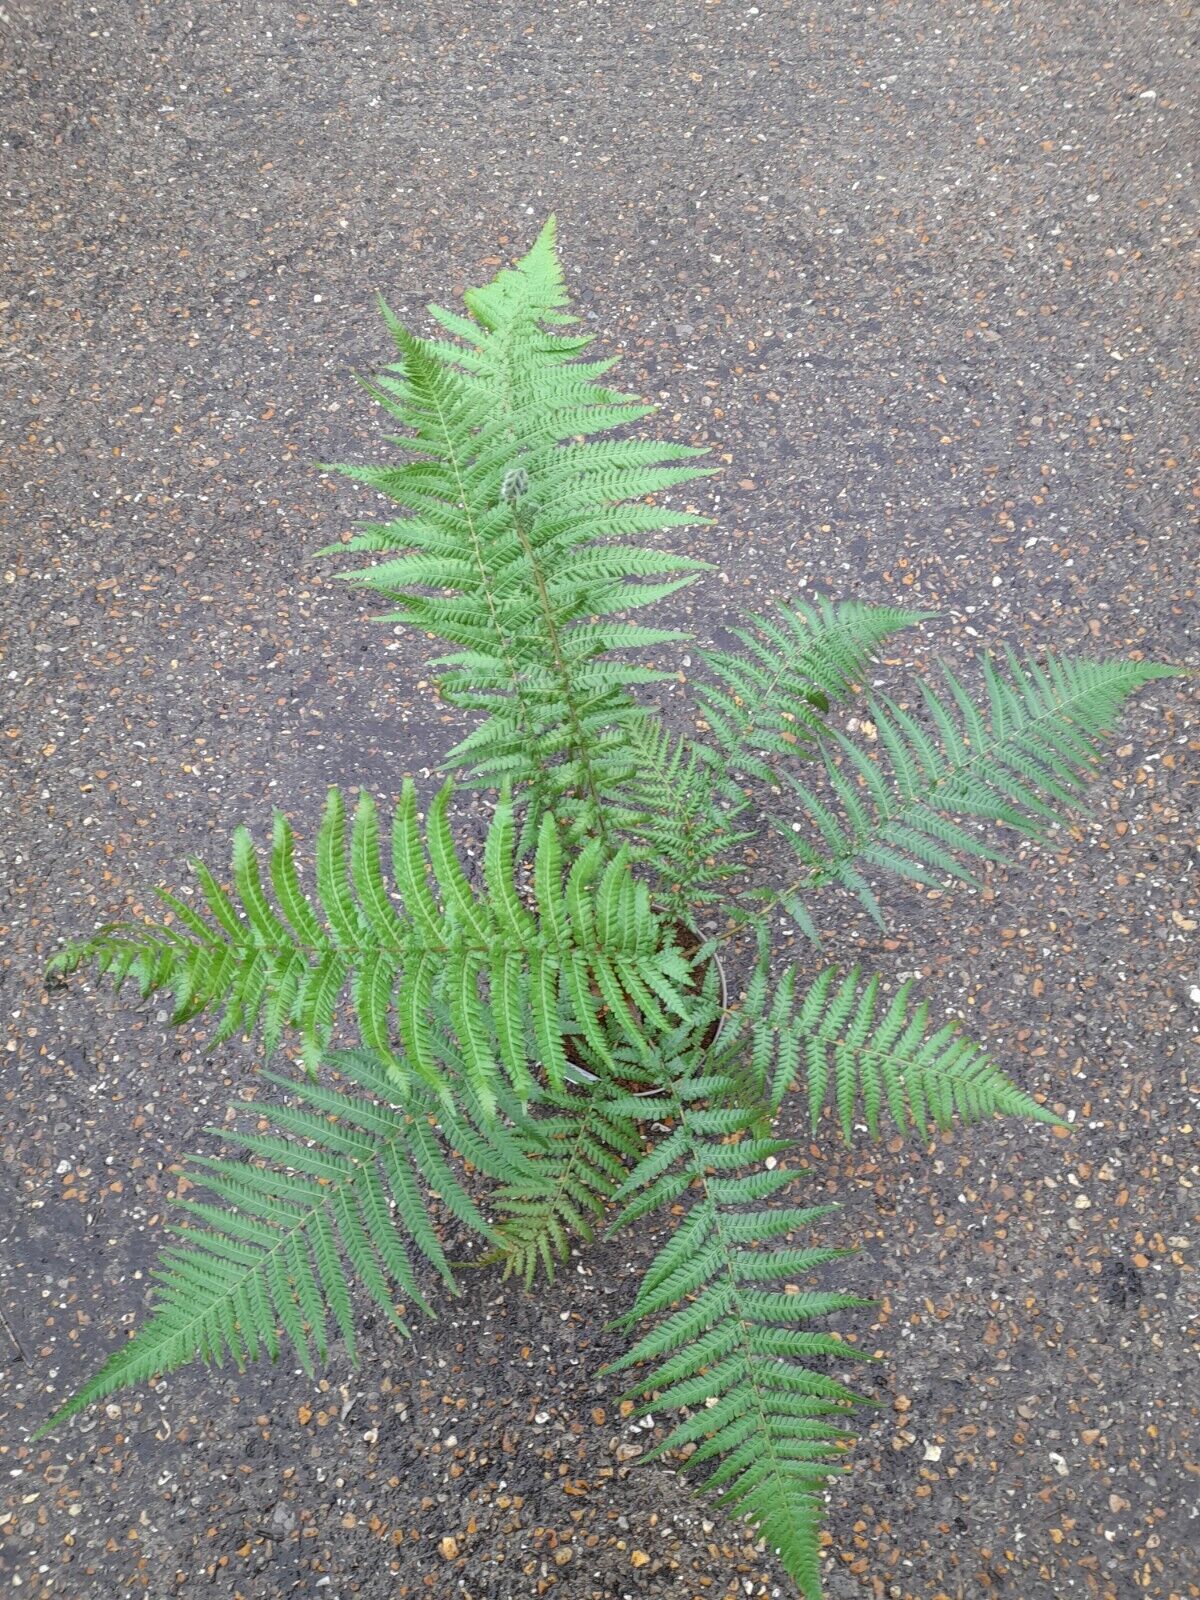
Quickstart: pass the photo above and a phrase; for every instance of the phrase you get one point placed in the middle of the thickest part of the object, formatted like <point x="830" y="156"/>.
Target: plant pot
<point x="578" y="1073"/>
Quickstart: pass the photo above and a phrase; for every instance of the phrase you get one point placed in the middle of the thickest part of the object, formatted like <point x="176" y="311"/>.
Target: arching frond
<point x="728" y="1344"/>
<point x="328" y="1195"/>
<point x="779" y="687"/>
<point x="1022" y="761"/>
<point x="850" y="1045"/>
<point x="508" y="974"/>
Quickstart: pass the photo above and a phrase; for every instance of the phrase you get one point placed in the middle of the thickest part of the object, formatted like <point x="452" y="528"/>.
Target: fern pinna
<point x="537" y="1035"/>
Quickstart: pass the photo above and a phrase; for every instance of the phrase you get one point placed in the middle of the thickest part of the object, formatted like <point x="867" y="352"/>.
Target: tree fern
<point x="529" y="1019"/>
<point x="728" y="1344"/>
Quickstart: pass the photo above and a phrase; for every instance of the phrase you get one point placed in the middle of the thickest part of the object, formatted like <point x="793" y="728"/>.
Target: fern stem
<point x="580" y="748"/>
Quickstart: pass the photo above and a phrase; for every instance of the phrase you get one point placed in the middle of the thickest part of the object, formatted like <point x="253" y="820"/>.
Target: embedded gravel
<point x="919" y="274"/>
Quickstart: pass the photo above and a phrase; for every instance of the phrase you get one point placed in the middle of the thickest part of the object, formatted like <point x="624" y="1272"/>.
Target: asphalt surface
<point x="922" y="276"/>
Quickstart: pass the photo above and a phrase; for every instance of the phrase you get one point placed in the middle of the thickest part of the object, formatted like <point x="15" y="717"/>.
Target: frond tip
<point x="681" y="818"/>
<point x="583" y="1150"/>
<point x="1021" y="761"/>
<point x="845" y="1042"/>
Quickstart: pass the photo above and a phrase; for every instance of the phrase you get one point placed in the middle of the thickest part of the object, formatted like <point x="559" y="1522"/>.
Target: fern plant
<point x="547" y="1043"/>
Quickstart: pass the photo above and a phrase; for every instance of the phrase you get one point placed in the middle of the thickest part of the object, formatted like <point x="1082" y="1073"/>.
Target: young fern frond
<point x="779" y="687"/>
<point x="585" y="1148"/>
<point x="681" y="818"/>
<point x="847" y="1044"/>
<point x="1021" y="761"/>
<point x="332" y="1194"/>
<point x="505" y="975"/>
<point x="728" y="1344"/>
<point x="513" y="527"/>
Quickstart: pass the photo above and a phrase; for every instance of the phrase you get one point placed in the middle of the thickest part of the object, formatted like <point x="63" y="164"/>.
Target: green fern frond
<point x="728" y="1345"/>
<point x="1023" y="760"/>
<point x="583" y="1153"/>
<point x="330" y="1194"/>
<point x="791" y="667"/>
<point x="507" y="975"/>
<point x="681" y="818"/>
<point x="851" y="1046"/>
<point x="521" y="578"/>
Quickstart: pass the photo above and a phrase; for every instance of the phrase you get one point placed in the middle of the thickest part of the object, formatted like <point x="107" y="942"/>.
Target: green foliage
<point x="843" y="1042"/>
<point x="729" y="1342"/>
<point x="525" y="578"/>
<point x="681" y="822"/>
<point x="792" y="666"/>
<point x="543" y="1039"/>
<point x="566" y="1186"/>
<point x="1021" y="760"/>
<point x="507" y="974"/>
<point x="340" y="1175"/>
